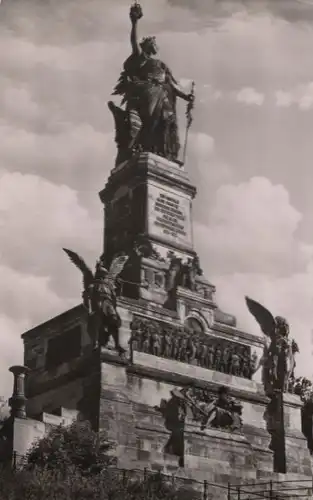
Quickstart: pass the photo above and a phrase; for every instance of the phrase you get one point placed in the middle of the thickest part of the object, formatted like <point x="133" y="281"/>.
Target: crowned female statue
<point x="147" y="120"/>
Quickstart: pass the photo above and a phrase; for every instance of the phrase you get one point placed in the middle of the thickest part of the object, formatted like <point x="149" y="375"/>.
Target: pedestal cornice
<point x="148" y="165"/>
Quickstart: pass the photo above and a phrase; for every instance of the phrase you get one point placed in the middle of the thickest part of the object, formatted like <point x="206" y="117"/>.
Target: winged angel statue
<point x="278" y="360"/>
<point x="99" y="298"/>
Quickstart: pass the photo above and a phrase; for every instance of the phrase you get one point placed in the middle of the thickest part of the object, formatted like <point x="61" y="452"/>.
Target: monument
<point x="148" y="356"/>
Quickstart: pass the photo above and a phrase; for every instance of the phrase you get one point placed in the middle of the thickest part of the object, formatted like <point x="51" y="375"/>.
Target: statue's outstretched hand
<point x="135" y="12"/>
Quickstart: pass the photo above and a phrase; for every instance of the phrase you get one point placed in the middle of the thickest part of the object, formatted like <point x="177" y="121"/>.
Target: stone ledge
<point x="183" y="374"/>
<point x="155" y="428"/>
<point x="256" y="431"/>
<point x="194" y="431"/>
<point x="295" y="434"/>
<point x="216" y="434"/>
<point x="233" y="333"/>
<point x="114" y="396"/>
<point x="111" y="356"/>
<point x="183" y="380"/>
<point x="292" y="400"/>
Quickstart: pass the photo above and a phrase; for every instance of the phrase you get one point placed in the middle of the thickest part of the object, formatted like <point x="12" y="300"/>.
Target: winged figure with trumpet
<point x="99" y="298"/>
<point x="278" y="360"/>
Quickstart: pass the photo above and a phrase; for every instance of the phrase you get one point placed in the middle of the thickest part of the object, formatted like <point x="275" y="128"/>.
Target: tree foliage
<point x="75" y="447"/>
<point x="76" y="463"/>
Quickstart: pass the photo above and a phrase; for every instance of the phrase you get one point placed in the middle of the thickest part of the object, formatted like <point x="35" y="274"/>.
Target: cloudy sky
<point x="250" y="150"/>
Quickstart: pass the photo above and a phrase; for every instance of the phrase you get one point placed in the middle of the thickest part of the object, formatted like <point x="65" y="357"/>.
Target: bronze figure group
<point x="221" y="412"/>
<point x="180" y="344"/>
<point x="201" y="406"/>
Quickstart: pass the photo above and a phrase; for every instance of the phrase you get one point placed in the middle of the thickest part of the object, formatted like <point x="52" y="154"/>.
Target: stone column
<point x="18" y="399"/>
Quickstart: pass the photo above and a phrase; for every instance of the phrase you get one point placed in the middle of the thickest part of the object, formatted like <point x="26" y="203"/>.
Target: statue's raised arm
<point x="135" y="14"/>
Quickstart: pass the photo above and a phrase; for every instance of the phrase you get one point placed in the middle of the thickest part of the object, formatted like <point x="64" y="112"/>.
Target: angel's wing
<point x="117" y="266"/>
<point x="82" y="266"/>
<point x="263" y="317"/>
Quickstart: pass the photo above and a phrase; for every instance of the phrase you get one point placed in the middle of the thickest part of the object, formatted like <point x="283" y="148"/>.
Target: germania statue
<point x="278" y="360"/>
<point x="147" y="120"/>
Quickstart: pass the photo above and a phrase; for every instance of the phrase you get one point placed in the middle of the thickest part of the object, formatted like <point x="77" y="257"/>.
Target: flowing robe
<point x="150" y="99"/>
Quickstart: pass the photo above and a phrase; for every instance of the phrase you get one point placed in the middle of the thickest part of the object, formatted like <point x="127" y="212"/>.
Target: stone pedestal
<point x="298" y="458"/>
<point x="148" y="195"/>
<point x="147" y="204"/>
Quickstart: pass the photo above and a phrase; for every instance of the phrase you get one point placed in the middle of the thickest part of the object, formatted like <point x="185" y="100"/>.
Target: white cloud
<point x="202" y="144"/>
<point x="186" y="83"/>
<point x="78" y="155"/>
<point x="283" y="99"/>
<point x="217" y="94"/>
<point x="260" y="223"/>
<point x="250" y="247"/>
<point x="32" y="205"/>
<point x="24" y="296"/>
<point x="250" y="96"/>
<point x="301" y="95"/>
<point x="25" y="301"/>
<point x="306" y="96"/>
<point x="17" y="102"/>
<point x="37" y="219"/>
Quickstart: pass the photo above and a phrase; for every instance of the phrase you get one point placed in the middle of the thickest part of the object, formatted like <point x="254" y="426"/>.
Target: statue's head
<point x="149" y="46"/>
<point x="282" y="326"/>
<point x="101" y="271"/>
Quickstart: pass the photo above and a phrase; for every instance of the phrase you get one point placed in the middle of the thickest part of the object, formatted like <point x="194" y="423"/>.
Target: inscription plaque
<point x="169" y="216"/>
